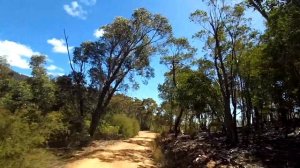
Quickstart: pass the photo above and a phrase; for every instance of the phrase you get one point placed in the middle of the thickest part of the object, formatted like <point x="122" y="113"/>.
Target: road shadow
<point x="124" y="155"/>
<point x="281" y="152"/>
<point x="139" y="142"/>
<point x="131" y="155"/>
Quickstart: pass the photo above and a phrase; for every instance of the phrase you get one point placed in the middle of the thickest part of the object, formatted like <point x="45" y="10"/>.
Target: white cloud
<point x="89" y="2"/>
<point x="48" y="59"/>
<point x="98" y="33"/>
<point x="59" y="45"/>
<point x="54" y="68"/>
<point x="56" y="73"/>
<point x="17" y="54"/>
<point x="75" y="9"/>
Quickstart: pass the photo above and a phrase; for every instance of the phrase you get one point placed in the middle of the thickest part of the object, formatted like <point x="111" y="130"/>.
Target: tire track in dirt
<point x="132" y="153"/>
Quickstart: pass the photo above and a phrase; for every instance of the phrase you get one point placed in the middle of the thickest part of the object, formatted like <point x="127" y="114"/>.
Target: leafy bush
<point x="55" y="130"/>
<point x="108" y="129"/>
<point x="159" y="128"/>
<point x="21" y="142"/>
<point x="18" y="95"/>
<point x="136" y="126"/>
<point x="157" y="153"/>
<point x="128" y="127"/>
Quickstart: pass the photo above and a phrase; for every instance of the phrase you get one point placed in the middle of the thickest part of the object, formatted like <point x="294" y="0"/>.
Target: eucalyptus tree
<point x="194" y="92"/>
<point x="265" y="7"/>
<point x="43" y="89"/>
<point x="213" y="26"/>
<point x="225" y="29"/>
<point x="282" y="53"/>
<point x="4" y="76"/>
<point x="241" y="39"/>
<point x="14" y="94"/>
<point x="121" y="53"/>
<point x="177" y="56"/>
<point x="147" y="115"/>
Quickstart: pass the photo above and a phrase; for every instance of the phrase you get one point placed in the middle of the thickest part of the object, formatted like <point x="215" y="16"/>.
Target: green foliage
<point x="143" y="110"/>
<point x="159" y="128"/>
<point x="21" y="142"/>
<point x="18" y="95"/>
<point x="123" y="52"/>
<point x="240" y="73"/>
<point x="128" y="127"/>
<point x="43" y="89"/>
<point x="108" y="129"/>
<point x="116" y="125"/>
<point x="158" y="154"/>
<point x="146" y="113"/>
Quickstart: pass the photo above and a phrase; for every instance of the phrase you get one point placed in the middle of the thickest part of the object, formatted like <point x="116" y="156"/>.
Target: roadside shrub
<point x="136" y="126"/>
<point x="55" y="130"/>
<point x="108" y="129"/>
<point x="159" y="128"/>
<point x="21" y="143"/>
<point x="128" y="127"/>
<point x="158" y="154"/>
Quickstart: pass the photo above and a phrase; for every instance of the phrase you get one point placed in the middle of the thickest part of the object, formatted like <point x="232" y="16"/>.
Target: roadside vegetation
<point x="236" y="103"/>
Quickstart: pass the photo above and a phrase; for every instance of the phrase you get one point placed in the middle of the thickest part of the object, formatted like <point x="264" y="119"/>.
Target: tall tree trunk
<point x="257" y="120"/>
<point x="224" y="87"/>
<point x="230" y="133"/>
<point x="283" y="117"/>
<point x="177" y="122"/>
<point x="103" y="100"/>
<point x="98" y="112"/>
<point x="249" y="106"/>
<point x="191" y="122"/>
<point x="100" y="109"/>
<point x="95" y="120"/>
<point x="234" y="104"/>
<point x="186" y="122"/>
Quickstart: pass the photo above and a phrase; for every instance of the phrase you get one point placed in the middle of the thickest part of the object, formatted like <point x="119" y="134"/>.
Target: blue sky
<point x="30" y="27"/>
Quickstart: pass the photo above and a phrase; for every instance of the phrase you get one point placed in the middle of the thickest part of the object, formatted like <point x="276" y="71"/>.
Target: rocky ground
<point x="271" y="150"/>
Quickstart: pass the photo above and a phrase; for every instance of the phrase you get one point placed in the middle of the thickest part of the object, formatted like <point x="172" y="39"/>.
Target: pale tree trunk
<point x="224" y="86"/>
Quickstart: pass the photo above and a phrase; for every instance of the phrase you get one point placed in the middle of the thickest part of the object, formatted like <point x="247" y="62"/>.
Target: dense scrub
<point x="120" y="124"/>
<point x="246" y="82"/>
<point x="22" y="142"/>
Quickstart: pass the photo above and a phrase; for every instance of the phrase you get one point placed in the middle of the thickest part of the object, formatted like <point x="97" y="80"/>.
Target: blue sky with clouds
<point x="29" y="27"/>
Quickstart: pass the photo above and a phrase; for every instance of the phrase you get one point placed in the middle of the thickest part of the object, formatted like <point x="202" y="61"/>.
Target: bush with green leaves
<point x="18" y="95"/>
<point x="108" y="129"/>
<point x="128" y="127"/>
<point x="22" y="142"/>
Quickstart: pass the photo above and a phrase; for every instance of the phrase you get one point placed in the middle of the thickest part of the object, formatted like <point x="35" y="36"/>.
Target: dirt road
<point x="132" y="153"/>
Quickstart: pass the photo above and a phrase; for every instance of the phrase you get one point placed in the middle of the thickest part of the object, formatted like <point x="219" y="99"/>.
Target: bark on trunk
<point x="224" y="86"/>
<point x="95" y="120"/>
<point x="257" y="119"/>
<point x="177" y="122"/>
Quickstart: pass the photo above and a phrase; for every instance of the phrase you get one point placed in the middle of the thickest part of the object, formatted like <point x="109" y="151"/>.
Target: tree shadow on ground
<point x="139" y="142"/>
<point x="123" y="155"/>
<point x="280" y="152"/>
<point x="131" y="155"/>
<point x="212" y="151"/>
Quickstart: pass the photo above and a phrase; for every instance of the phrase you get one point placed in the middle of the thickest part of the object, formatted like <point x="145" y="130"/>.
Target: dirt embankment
<point x="132" y="153"/>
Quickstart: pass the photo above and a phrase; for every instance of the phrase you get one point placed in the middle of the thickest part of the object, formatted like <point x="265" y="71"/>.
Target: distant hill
<point x="17" y="75"/>
<point x="6" y="69"/>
